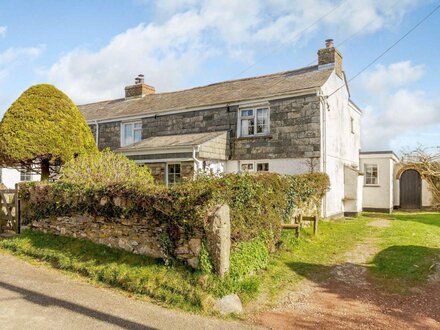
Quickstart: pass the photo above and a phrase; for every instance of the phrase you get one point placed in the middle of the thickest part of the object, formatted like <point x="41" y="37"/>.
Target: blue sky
<point x="92" y="49"/>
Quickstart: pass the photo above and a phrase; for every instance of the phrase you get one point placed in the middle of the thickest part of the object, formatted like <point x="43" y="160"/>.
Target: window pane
<point x="128" y="134"/>
<point x="247" y="113"/>
<point x="138" y="125"/>
<point x="247" y="127"/>
<point x="262" y="121"/>
<point x="137" y="135"/>
<point x="371" y="174"/>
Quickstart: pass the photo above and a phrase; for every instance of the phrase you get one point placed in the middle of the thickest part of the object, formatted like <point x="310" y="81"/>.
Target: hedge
<point x="259" y="203"/>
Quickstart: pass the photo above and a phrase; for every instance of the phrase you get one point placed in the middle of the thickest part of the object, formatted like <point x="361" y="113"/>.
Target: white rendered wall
<point x="281" y="166"/>
<point x="379" y="196"/>
<point x="11" y="176"/>
<point x="339" y="146"/>
<point x="426" y="195"/>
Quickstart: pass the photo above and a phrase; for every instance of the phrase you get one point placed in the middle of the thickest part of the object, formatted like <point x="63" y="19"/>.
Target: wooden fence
<point x="10" y="210"/>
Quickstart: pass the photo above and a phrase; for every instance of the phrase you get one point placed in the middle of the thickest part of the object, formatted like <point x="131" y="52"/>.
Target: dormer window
<point x="131" y="133"/>
<point x="254" y="122"/>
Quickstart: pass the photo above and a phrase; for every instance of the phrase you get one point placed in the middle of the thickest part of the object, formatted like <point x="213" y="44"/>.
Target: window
<point x="1" y="176"/>
<point x="371" y="174"/>
<point x="173" y="173"/>
<point x="131" y="133"/>
<point x="25" y="176"/>
<point x="352" y="125"/>
<point x="263" y="167"/>
<point x="254" y="122"/>
<point x="249" y="167"/>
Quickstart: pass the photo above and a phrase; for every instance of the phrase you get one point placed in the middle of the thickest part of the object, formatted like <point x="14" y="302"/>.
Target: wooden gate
<point x="410" y="190"/>
<point x="9" y="211"/>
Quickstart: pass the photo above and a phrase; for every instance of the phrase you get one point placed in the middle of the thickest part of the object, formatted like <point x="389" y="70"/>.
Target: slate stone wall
<point x="109" y="135"/>
<point x="294" y="129"/>
<point x="146" y="236"/>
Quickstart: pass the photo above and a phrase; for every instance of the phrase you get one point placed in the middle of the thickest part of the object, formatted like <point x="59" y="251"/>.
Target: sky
<point x="92" y="49"/>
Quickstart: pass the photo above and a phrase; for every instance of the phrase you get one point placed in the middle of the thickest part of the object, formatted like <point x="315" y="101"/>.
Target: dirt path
<point x="347" y="300"/>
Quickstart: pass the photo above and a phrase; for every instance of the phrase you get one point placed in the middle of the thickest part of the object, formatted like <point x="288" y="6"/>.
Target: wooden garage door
<point x="410" y="190"/>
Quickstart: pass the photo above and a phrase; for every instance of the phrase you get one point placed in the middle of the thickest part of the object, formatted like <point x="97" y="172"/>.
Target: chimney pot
<point x="329" y="43"/>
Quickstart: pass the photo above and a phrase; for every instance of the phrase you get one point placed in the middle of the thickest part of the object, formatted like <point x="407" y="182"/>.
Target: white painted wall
<point x="339" y="146"/>
<point x="281" y="166"/>
<point x="10" y="176"/>
<point x="379" y="196"/>
<point x="426" y="195"/>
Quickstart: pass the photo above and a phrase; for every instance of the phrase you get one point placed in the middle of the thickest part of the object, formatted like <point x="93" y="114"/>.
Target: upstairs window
<point x="131" y="133"/>
<point x="371" y="174"/>
<point x="352" y="125"/>
<point x="254" y="121"/>
<point x="25" y="176"/>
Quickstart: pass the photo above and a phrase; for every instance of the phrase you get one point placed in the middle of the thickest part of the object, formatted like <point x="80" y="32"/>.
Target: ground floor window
<point x="25" y="176"/>
<point x="173" y="173"/>
<point x="371" y="174"/>
<point x="248" y="167"/>
<point x="262" y="167"/>
<point x="254" y="167"/>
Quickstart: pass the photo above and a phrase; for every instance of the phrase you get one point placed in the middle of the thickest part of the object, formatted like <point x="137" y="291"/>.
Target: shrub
<point x="42" y="130"/>
<point x="104" y="169"/>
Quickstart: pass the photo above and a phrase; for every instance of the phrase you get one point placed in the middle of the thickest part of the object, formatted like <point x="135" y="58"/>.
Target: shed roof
<point x="231" y="91"/>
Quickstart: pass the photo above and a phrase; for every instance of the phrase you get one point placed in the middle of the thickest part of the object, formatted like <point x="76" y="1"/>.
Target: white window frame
<point x="254" y="166"/>
<point x="167" y="182"/>
<point x="255" y="118"/>
<point x="123" y="127"/>
<point x="247" y="164"/>
<point x="367" y="165"/>
<point x="262" y="163"/>
<point x="26" y="176"/>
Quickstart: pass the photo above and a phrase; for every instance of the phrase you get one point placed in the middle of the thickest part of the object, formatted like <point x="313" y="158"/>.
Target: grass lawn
<point x="408" y="248"/>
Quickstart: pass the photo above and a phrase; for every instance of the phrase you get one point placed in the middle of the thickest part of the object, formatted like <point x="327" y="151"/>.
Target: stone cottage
<point x="289" y="122"/>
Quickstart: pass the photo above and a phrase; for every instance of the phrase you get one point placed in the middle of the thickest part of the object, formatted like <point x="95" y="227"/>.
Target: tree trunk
<point x="45" y="170"/>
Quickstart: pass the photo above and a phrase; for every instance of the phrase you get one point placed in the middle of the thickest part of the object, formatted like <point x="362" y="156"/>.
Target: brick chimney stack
<point x="139" y="89"/>
<point x="329" y="57"/>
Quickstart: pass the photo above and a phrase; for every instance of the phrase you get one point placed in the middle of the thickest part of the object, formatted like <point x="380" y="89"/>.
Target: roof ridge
<point x="300" y="70"/>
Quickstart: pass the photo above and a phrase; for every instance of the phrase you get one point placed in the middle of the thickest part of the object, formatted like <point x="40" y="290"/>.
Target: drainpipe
<point x="197" y="161"/>
<point x="324" y="144"/>
<point x="97" y="133"/>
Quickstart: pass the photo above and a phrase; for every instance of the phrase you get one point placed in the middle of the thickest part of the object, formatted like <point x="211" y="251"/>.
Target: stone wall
<point x="294" y="129"/>
<point x="150" y="237"/>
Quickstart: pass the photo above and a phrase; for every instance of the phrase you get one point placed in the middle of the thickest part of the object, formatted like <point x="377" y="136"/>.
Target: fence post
<point x="17" y="210"/>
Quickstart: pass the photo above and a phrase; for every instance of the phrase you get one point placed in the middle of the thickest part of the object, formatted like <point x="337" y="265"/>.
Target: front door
<point x="410" y="190"/>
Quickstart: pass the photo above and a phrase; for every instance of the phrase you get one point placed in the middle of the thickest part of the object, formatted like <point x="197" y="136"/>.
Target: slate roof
<point x="171" y="141"/>
<point x="231" y="91"/>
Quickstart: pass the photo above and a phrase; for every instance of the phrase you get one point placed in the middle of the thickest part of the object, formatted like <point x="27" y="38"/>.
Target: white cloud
<point x="3" y="30"/>
<point x="17" y="54"/>
<point x="395" y="75"/>
<point x="171" y="50"/>
<point x="395" y="109"/>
